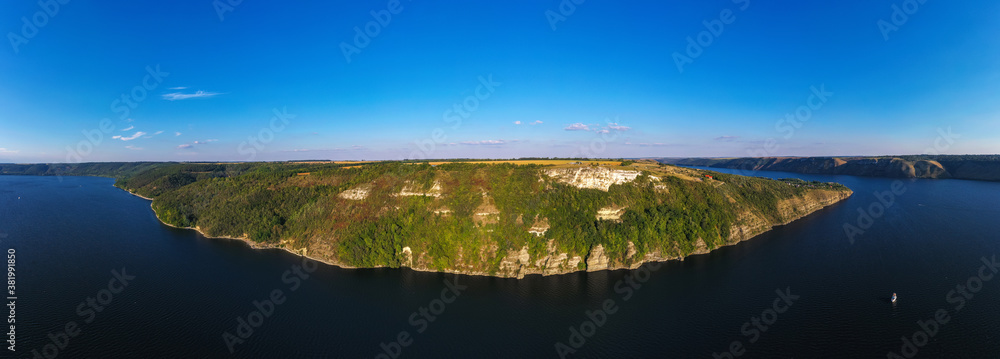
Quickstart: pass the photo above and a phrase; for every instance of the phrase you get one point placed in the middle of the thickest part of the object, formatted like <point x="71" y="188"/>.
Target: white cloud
<point x="4" y="150"/>
<point x="177" y="133"/>
<point x="727" y="138"/>
<point x="181" y="147"/>
<point x="133" y="148"/>
<point x="129" y="138"/>
<point x="205" y="141"/>
<point x="616" y="127"/>
<point x="129" y="128"/>
<point x="538" y="122"/>
<point x="577" y="127"/>
<point x="157" y="133"/>
<point x="178" y="88"/>
<point x="184" y="96"/>
<point x="517" y="122"/>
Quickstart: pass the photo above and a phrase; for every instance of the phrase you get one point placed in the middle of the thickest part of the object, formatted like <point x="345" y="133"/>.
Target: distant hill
<point x="970" y="167"/>
<point x="500" y="218"/>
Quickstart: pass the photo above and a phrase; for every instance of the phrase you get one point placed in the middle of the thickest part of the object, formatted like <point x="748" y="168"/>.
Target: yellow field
<point x="536" y="162"/>
<point x="325" y="162"/>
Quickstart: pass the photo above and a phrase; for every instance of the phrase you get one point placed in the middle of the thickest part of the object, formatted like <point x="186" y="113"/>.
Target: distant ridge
<point x="970" y="167"/>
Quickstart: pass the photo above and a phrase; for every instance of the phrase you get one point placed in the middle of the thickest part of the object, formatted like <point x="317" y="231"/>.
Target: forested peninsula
<point x="497" y="218"/>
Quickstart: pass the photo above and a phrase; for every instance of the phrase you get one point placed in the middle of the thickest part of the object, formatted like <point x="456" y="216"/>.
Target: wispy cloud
<point x="616" y="127"/>
<point x="154" y="134"/>
<point x="129" y="138"/>
<point x="485" y="142"/>
<point x="184" y="96"/>
<point x="4" y="150"/>
<point x="727" y="138"/>
<point x="133" y="148"/>
<point x="178" y="88"/>
<point x="128" y="128"/>
<point x="517" y="122"/>
<point x="198" y="142"/>
<point x="177" y="133"/>
<point x="612" y="126"/>
<point x="338" y="149"/>
<point x="537" y="122"/>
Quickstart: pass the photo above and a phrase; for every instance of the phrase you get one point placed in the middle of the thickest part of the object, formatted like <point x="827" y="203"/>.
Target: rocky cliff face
<point x="751" y="224"/>
<point x="518" y="263"/>
<point x="592" y="177"/>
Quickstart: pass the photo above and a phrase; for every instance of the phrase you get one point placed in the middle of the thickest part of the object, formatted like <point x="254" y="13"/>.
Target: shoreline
<point x="248" y="242"/>
<point x="258" y="246"/>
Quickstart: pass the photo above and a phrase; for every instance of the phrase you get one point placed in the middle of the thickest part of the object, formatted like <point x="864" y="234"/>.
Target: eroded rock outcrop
<point x="357" y="193"/>
<point x="412" y="189"/>
<point x="592" y="177"/>
<point x="597" y="260"/>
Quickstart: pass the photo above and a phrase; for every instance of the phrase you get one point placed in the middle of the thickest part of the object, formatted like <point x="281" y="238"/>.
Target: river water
<point x="97" y="276"/>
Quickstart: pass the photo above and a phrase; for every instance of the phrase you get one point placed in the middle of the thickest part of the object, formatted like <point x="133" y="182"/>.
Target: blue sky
<point x="270" y="81"/>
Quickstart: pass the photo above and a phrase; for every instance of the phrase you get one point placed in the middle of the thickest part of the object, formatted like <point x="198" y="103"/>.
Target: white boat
<point x="893" y="299"/>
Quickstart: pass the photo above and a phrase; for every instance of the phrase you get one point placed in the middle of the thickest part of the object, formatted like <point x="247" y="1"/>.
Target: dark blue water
<point x="187" y="291"/>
